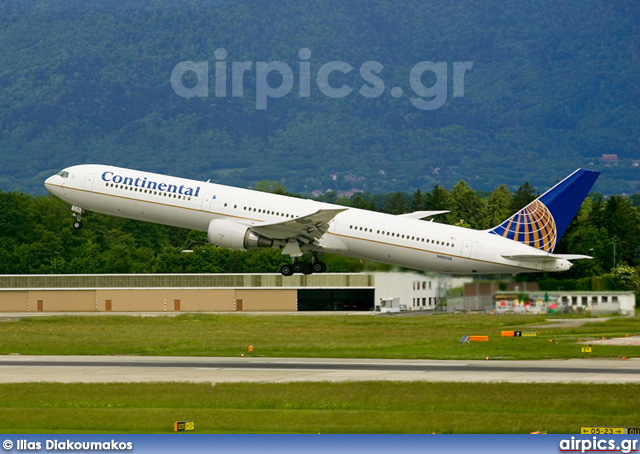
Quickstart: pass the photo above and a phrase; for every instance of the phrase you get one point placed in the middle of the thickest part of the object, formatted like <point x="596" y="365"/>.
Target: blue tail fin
<point x="542" y="223"/>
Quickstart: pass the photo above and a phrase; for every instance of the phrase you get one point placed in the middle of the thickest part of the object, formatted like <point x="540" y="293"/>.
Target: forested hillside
<point x="552" y="86"/>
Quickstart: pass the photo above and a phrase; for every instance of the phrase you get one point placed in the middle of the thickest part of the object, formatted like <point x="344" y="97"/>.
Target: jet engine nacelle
<point x="232" y="235"/>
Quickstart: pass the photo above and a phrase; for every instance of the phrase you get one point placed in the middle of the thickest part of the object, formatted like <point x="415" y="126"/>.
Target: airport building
<point x="396" y="292"/>
<point x="221" y="292"/>
<point x="382" y="292"/>
<point x="527" y="298"/>
<point x="593" y="302"/>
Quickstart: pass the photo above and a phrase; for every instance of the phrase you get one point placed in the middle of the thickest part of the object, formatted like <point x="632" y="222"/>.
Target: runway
<point x="95" y="369"/>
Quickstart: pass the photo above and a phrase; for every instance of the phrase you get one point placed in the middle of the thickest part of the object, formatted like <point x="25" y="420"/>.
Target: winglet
<point x="542" y="223"/>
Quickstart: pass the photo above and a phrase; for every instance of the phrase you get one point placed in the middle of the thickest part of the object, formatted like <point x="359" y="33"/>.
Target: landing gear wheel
<point x="77" y="213"/>
<point x="307" y="268"/>
<point x="298" y="267"/>
<point x="319" y="267"/>
<point x="286" y="270"/>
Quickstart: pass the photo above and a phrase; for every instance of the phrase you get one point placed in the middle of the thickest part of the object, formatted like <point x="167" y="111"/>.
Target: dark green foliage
<point x="469" y="207"/>
<point x="397" y="204"/>
<point x="36" y="236"/>
<point x="553" y="87"/>
<point x="498" y="207"/>
<point x="440" y="199"/>
<point x="523" y="197"/>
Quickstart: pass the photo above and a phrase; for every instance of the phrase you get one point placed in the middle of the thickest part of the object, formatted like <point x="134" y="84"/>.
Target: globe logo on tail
<point x="533" y="225"/>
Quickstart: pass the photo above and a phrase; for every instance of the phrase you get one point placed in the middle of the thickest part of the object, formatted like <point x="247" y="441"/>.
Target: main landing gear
<point x="305" y="268"/>
<point x="77" y="212"/>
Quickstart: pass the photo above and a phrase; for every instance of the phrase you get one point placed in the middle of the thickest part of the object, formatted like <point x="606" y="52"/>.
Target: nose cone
<point x="49" y="181"/>
<point x="53" y="184"/>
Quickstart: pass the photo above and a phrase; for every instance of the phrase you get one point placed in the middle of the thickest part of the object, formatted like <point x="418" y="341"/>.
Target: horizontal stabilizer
<point x="572" y="256"/>
<point x="422" y="214"/>
<point x="544" y="257"/>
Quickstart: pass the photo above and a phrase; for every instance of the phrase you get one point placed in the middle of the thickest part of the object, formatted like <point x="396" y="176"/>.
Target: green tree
<point x="440" y="199"/>
<point x="417" y="201"/>
<point x="625" y="278"/>
<point x="397" y="204"/>
<point x="523" y="197"/>
<point x="468" y="207"/>
<point x="622" y="222"/>
<point x="358" y="201"/>
<point x="586" y="239"/>
<point x="498" y="208"/>
<point x="274" y="187"/>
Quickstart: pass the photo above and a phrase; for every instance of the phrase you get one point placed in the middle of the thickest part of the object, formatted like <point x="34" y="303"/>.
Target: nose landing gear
<point x="77" y="212"/>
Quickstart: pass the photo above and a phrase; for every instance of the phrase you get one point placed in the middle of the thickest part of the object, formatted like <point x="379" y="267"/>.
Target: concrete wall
<point x="48" y="300"/>
<point x="149" y="300"/>
<point x="62" y="300"/>
<point x="167" y="300"/>
<point x="14" y="301"/>
<point x="200" y="300"/>
<point x="129" y="300"/>
<point x="268" y="300"/>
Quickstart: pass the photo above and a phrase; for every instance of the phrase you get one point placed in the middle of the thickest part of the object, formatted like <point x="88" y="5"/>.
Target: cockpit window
<point x="63" y="174"/>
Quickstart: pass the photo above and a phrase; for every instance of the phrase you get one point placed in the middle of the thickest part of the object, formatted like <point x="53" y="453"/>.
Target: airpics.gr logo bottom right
<point x="276" y="79"/>
<point x="601" y="445"/>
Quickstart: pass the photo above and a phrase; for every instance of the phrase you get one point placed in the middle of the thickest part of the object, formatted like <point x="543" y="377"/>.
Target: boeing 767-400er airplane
<point x="241" y="219"/>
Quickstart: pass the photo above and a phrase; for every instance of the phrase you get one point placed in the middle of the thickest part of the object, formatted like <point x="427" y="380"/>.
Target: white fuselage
<point x="380" y="237"/>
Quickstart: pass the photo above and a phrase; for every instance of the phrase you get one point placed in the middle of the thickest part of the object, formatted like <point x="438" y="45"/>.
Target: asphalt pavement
<point x="93" y="369"/>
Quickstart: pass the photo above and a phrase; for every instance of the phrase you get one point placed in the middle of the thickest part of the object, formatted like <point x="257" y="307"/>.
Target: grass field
<point x="352" y="407"/>
<point x="332" y="336"/>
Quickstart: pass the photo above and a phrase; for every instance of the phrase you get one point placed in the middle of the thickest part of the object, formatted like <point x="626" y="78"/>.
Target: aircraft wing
<point x="307" y="228"/>
<point x="422" y="214"/>
<point x="544" y="257"/>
